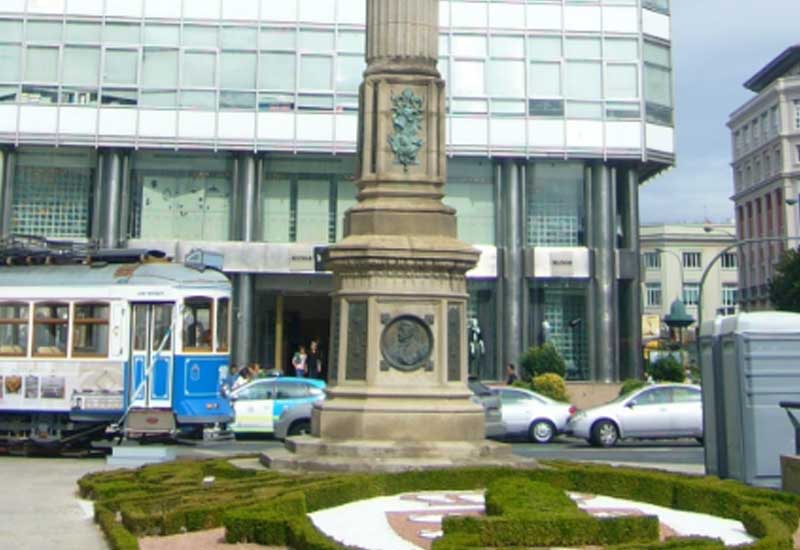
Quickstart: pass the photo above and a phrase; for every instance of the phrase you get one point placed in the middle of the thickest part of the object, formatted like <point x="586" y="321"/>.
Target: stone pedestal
<point x="790" y="473"/>
<point x="398" y="354"/>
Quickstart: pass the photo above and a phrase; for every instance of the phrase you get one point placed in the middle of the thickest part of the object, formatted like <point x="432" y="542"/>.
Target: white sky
<point x="717" y="46"/>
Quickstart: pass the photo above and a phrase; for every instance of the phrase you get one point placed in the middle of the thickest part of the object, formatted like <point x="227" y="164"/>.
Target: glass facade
<point x="559" y="317"/>
<point x="470" y="190"/>
<point x="181" y="196"/>
<point x="556" y="204"/>
<point x="482" y="334"/>
<point x="52" y="193"/>
<point x="499" y="57"/>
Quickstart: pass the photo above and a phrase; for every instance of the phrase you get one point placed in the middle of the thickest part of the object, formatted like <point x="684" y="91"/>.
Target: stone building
<point x="231" y="126"/>
<point x="765" y="140"/>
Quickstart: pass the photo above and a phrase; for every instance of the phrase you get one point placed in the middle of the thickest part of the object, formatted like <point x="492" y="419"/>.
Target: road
<point x="39" y="507"/>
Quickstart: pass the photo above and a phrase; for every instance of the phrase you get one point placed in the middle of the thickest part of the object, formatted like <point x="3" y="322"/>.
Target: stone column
<point x="399" y="354"/>
<point x="605" y="278"/>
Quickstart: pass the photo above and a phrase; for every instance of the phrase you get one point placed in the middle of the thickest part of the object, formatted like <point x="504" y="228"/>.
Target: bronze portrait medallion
<point x="407" y="343"/>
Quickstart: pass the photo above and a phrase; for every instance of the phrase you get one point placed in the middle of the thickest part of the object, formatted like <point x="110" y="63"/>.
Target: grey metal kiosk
<point x="755" y="366"/>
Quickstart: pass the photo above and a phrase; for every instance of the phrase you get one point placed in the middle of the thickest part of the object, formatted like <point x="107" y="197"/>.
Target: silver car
<point x="532" y="415"/>
<point x="486" y="397"/>
<point x="668" y="411"/>
<point x="294" y="421"/>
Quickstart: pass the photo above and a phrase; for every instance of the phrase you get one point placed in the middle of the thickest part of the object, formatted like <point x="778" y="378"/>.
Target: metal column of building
<point x="633" y="243"/>
<point x="513" y="266"/>
<point x="111" y="166"/>
<point x="7" y="159"/>
<point x="591" y="324"/>
<point x="245" y="183"/>
<point x="605" y="278"/>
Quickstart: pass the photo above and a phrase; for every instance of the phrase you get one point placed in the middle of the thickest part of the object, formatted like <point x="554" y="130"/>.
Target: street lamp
<point x="711" y="229"/>
<point x="677" y="319"/>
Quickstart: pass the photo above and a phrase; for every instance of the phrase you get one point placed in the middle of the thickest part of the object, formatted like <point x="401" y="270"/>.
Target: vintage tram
<point x="99" y="344"/>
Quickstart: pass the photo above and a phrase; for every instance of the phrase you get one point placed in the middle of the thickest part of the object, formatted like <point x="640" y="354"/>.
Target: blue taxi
<point x="259" y="403"/>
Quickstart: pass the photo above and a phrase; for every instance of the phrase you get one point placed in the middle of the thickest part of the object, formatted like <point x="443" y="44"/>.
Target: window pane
<point x="238" y="70"/>
<point x="41" y="64"/>
<point x="556" y="205"/>
<point x="199" y="69"/>
<point x="81" y="32"/>
<point x="202" y="100"/>
<point x="507" y="78"/>
<point x="162" y="323"/>
<point x="313" y="200"/>
<point x="11" y="31"/>
<point x="81" y="66"/>
<point x="43" y="31"/>
<point x="239" y="38"/>
<point x="160" y="68"/>
<point x="348" y="72"/>
<point x="277" y="71"/>
<point x="622" y="81"/>
<point x="50" y="329"/>
<point x="9" y="62"/>
<point x="582" y="48"/>
<point x="470" y="191"/>
<point x="121" y="33"/>
<point x="316" y="41"/>
<point x="584" y="80"/>
<point x="351" y="41"/>
<point x="121" y="66"/>
<point x="316" y="73"/>
<point x="468" y="78"/>
<point x="237" y="100"/>
<point x="545" y="47"/>
<point x="508" y="46"/>
<point x="277" y="210"/>
<point x="657" y="54"/>
<point x="545" y="79"/>
<point x="197" y="329"/>
<point x="469" y="45"/>
<point x="90" y="335"/>
<point x="14" y="329"/>
<point x="658" y="85"/>
<point x="621" y="49"/>
<point x="195" y="35"/>
<point x="223" y="316"/>
<point x="162" y="35"/>
<point x="159" y="99"/>
<point x="278" y="39"/>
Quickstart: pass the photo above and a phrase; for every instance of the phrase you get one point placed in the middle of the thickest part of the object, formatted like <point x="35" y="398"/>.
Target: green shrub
<point x="550" y="385"/>
<point x="667" y="369"/>
<point x="118" y="537"/>
<point x="542" y="360"/>
<point x="631" y="385"/>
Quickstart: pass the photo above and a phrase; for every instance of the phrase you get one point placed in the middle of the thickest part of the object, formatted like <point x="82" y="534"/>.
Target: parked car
<point x="488" y="398"/>
<point x="653" y="412"/>
<point x="533" y="415"/>
<point x="259" y="404"/>
<point x="295" y="420"/>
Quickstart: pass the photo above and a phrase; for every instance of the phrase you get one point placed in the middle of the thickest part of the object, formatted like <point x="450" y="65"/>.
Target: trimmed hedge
<point x="522" y="505"/>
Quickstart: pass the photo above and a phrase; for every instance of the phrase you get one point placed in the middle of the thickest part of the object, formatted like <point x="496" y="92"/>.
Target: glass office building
<point x="231" y="125"/>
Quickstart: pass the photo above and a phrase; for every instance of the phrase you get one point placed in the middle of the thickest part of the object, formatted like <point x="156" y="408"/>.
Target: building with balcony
<point x="231" y="126"/>
<point x="765" y="134"/>
<point x="674" y="258"/>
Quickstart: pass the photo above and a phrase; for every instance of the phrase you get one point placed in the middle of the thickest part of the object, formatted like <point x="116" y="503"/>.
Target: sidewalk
<point x="39" y="506"/>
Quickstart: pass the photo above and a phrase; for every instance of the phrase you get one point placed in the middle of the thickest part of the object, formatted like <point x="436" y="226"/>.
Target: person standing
<point x="300" y="362"/>
<point x="314" y="359"/>
<point x="511" y="374"/>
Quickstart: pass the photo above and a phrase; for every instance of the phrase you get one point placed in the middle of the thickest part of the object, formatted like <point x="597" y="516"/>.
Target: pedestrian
<point x="314" y="360"/>
<point x="511" y="374"/>
<point x="299" y="362"/>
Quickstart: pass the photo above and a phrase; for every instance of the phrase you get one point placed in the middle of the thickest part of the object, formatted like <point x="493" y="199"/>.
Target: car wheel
<point x="605" y="434"/>
<point x="542" y="431"/>
<point x="301" y="427"/>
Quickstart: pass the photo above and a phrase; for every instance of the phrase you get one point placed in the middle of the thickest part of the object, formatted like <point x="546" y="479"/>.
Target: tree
<point x="667" y="369"/>
<point x="784" y="288"/>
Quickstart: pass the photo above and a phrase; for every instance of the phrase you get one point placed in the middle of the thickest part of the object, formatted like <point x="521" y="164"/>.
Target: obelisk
<point x="398" y="353"/>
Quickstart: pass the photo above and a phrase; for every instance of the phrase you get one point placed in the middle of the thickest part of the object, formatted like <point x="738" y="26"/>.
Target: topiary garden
<point x="524" y="508"/>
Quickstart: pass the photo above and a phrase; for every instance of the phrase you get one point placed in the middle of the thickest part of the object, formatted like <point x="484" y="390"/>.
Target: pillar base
<point x="307" y="453"/>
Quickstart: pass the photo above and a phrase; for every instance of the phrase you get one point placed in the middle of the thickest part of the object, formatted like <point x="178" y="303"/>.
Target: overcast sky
<point x="717" y="46"/>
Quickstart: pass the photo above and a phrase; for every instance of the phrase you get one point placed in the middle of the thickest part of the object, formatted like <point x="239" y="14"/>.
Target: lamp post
<point x="680" y="268"/>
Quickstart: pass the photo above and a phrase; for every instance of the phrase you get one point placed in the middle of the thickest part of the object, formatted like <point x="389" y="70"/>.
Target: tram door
<point x="152" y="345"/>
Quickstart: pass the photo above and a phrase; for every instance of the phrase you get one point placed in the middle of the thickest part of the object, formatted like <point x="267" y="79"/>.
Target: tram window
<point x="162" y="323"/>
<point x="90" y="330"/>
<point x="197" y="326"/>
<point x="140" y="327"/>
<point x="223" y="324"/>
<point x="14" y="330"/>
<point x="50" y="327"/>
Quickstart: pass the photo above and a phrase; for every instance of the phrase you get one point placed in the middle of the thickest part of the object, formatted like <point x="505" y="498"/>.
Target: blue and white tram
<point x="84" y="346"/>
